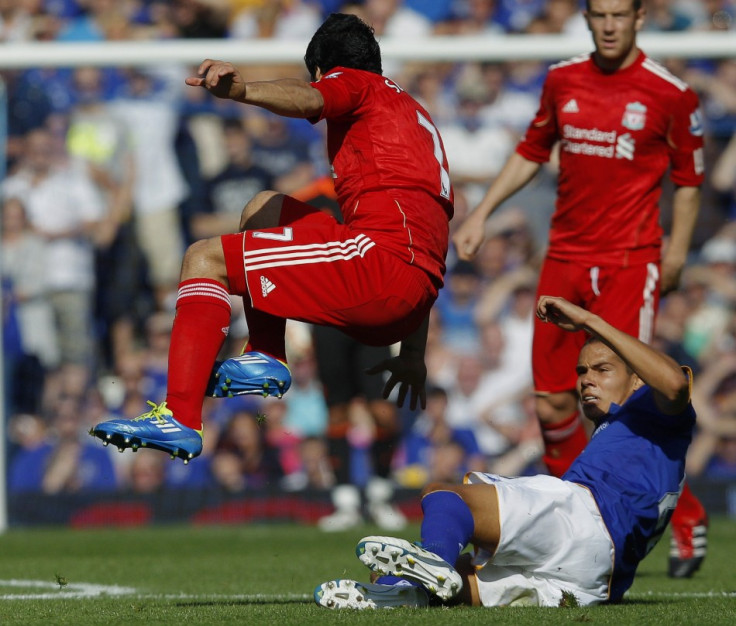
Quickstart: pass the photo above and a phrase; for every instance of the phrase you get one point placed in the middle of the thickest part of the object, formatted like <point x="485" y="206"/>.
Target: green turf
<point x="265" y="574"/>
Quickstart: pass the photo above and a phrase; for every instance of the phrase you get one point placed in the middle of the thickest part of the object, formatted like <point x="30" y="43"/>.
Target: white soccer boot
<point x="379" y="493"/>
<point x="351" y="594"/>
<point x="397" y="557"/>
<point x="346" y="499"/>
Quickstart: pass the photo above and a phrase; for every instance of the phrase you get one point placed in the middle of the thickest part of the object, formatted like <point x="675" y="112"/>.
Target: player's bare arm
<point x="516" y="173"/>
<point x="656" y="369"/>
<point x="685" y="209"/>
<point x="289" y="97"/>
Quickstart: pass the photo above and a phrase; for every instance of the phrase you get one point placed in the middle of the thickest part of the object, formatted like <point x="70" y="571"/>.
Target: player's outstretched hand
<point x="220" y="78"/>
<point x="559" y="311"/>
<point x="407" y="372"/>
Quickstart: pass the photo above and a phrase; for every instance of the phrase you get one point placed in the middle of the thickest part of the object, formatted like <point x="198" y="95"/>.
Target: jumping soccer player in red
<point x="621" y="120"/>
<point x="375" y="276"/>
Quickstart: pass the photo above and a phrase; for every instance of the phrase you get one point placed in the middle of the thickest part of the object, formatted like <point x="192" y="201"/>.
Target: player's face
<point x="603" y="379"/>
<point x="614" y="24"/>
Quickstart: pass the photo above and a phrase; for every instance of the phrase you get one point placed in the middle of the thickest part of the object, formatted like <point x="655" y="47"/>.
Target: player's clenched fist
<point x="562" y="313"/>
<point x="220" y="78"/>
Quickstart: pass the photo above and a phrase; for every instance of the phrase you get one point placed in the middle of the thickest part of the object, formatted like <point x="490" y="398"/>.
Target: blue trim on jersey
<point x="634" y="465"/>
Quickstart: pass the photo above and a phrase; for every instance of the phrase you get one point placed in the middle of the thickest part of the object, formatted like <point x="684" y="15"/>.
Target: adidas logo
<point x="167" y="427"/>
<point x="266" y="286"/>
<point x="571" y="107"/>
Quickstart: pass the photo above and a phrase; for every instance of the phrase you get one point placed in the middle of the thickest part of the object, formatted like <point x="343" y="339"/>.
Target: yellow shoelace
<point x="154" y="413"/>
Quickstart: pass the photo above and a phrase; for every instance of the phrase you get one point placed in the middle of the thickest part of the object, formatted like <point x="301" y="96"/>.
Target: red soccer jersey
<point x="618" y="134"/>
<point x="381" y="140"/>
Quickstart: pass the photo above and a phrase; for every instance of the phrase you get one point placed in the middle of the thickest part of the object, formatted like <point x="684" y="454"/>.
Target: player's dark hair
<point x="636" y="4"/>
<point x="346" y="41"/>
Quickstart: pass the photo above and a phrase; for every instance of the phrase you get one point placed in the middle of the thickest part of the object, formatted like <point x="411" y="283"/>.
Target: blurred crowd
<point x="111" y="172"/>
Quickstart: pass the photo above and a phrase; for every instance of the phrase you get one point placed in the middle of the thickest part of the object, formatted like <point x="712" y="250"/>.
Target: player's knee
<point x="555" y="407"/>
<point x="204" y="259"/>
<point x="262" y="211"/>
<point x="437" y="486"/>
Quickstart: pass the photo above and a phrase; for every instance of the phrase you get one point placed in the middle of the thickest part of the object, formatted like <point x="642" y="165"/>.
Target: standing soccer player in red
<point x="621" y="120"/>
<point x="375" y="276"/>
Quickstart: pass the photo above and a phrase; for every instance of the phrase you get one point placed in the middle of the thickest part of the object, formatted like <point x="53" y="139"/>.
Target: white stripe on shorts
<point x="308" y="253"/>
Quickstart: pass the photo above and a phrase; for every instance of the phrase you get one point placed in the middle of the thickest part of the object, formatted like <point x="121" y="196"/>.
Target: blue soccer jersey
<point x="634" y="465"/>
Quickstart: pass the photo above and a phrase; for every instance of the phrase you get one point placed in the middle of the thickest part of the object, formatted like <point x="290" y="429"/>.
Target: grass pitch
<point x="265" y="574"/>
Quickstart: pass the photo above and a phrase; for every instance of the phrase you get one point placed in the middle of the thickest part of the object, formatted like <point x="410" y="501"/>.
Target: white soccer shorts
<point x="553" y="540"/>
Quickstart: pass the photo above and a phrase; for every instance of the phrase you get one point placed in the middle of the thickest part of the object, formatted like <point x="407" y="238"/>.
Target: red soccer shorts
<point x="626" y="297"/>
<point x="313" y="269"/>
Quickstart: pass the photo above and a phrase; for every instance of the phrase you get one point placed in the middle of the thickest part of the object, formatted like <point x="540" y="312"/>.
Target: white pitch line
<point x="682" y="594"/>
<point x="81" y="591"/>
<point x="85" y="591"/>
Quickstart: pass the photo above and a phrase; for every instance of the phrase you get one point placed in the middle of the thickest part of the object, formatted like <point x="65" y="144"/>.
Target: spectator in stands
<point x="64" y="462"/>
<point x="433" y="450"/>
<point x="200" y="19"/>
<point x="147" y="473"/>
<point x="711" y="290"/>
<point x="429" y="85"/>
<point x="16" y="21"/>
<point x="666" y="16"/>
<point x="100" y="140"/>
<point x="306" y="410"/>
<point x="278" y="19"/>
<point x="286" y="157"/>
<point x="516" y="15"/>
<point x="457" y="304"/>
<point x="712" y="452"/>
<point x="152" y="122"/>
<point x="509" y="105"/>
<point x="242" y="458"/>
<point x="25" y="296"/>
<point x="471" y="17"/>
<point x="723" y="179"/>
<point x="282" y="438"/>
<point x="226" y="193"/>
<point x="477" y="149"/>
<point x="467" y="405"/>
<point x="716" y="86"/>
<point x="315" y="464"/>
<point x="65" y="209"/>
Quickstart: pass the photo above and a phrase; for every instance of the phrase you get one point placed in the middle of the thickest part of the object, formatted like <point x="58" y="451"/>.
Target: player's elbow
<point x="676" y="388"/>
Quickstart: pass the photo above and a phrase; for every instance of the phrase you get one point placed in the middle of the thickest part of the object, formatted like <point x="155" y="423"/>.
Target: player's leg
<point x="266" y="331"/>
<point x="200" y="327"/>
<point x="554" y="356"/>
<point x="454" y="516"/>
<point x="379" y="491"/>
<point x="314" y="269"/>
<point x="338" y="377"/>
<point x="261" y="368"/>
<point x="688" y="544"/>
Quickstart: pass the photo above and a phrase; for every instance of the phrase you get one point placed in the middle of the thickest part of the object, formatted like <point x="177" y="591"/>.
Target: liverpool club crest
<point x="635" y="116"/>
